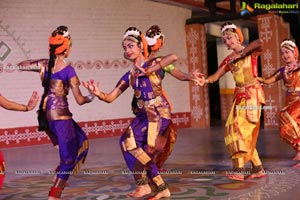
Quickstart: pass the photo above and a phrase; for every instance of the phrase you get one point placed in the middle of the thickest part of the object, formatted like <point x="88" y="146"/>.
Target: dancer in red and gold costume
<point x="290" y="113"/>
<point x="11" y="105"/>
<point x="155" y="40"/>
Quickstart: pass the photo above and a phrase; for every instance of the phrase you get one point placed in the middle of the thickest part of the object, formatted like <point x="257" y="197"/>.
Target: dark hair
<point x="153" y="31"/>
<point x="61" y="30"/>
<point x="137" y="37"/>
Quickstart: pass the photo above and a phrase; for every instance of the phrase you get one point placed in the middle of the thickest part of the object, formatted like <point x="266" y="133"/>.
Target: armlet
<point x="122" y="85"/>
<point x="74" y="82"/>
<point x="169" y="68"/>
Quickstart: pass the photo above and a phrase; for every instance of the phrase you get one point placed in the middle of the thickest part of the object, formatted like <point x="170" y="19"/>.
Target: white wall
<point x="97" y="28"/>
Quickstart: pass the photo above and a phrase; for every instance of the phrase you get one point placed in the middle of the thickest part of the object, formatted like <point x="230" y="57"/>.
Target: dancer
<point x="155" y="40"/>
<point x="11" y="105"/>
<point x="153" y="116"/>
<point x="290" y="114"/>
<point x="58" y="78"/>
<point x="243" y="123"/>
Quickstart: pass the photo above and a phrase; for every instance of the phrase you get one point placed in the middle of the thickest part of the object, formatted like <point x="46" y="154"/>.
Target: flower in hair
<point x="63" y="30"/>
<point x="61" y="42"/>
<point x="288" y="42"/>
<point x="66" y="34"/>
<point x="132" y="32"/>
<point x="228" y="26"/>
<point x="235" y="30"/>
<point x="56" y="40"/>
<point x="152" y="40"/>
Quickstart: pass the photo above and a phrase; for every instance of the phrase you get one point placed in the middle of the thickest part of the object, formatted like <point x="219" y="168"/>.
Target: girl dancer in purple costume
<point x="153" y="114"/>
<point x="58" y="78"/>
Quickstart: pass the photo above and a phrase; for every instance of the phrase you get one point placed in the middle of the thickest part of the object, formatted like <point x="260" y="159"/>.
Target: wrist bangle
<point x="241" y="52"/>
<point x="90" y="97"/>
<point x="147" y="73"/>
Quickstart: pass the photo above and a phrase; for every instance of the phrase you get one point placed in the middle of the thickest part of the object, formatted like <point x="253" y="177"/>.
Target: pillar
<point x="272" y="30"/>
<point x="197" y="59"/>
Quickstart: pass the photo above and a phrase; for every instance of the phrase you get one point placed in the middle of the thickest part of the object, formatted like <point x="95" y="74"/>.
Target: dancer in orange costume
<point x="290" y="113"/>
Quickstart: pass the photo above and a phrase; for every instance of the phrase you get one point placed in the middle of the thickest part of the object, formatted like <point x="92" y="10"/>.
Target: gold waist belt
<point x="156" y="101"/>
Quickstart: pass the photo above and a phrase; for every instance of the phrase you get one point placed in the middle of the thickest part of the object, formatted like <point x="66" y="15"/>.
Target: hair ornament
<point x="132" y="32"/>
<point x="66" y="34"/>
<point x="228" y="26"/>
<point x="152" y="40"/>
<point x="56" y="40"/>
<point x="288" y="42"/>
<point x="60" y="41"/>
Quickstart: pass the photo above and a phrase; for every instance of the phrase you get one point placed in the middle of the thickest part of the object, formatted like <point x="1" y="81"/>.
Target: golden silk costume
<point x="150" y="137"/>
<point x="290" y="114"/>
<point x="242" y="126"/>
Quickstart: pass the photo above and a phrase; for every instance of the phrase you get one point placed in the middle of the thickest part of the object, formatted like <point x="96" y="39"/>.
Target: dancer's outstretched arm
<point x="106" y="97"/>
<point x="33" y="65"/>
<point x="11" y="105"/>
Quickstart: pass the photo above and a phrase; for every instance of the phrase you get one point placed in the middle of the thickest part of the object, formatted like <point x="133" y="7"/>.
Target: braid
<point x="46" y="80"/>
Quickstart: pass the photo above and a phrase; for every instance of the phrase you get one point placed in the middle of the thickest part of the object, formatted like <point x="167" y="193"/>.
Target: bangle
<point x="26" y="108"/>
<point x="241" y="52"/>
<point x="207" y="81"/>
<point x="90" y="97"/>
<point x="147" y="73"/>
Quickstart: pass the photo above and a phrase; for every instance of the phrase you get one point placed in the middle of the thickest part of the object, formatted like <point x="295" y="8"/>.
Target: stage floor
<point x="195" y="170"/>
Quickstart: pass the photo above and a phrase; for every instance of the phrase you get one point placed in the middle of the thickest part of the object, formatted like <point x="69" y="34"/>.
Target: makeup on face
<point x="131" y="49"/>
<point x="287" y="54"/>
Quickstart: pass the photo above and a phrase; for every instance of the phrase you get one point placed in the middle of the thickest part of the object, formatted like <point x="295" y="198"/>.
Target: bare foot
<point x="259" y="174"/>
<point x="296" y="165"/>
<point x="140" y="191"/>
<point x="163" y="194"/>
<point x="53" y="198"/>
<point x="297" y="156"/>
<point x="236" y="176"/>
